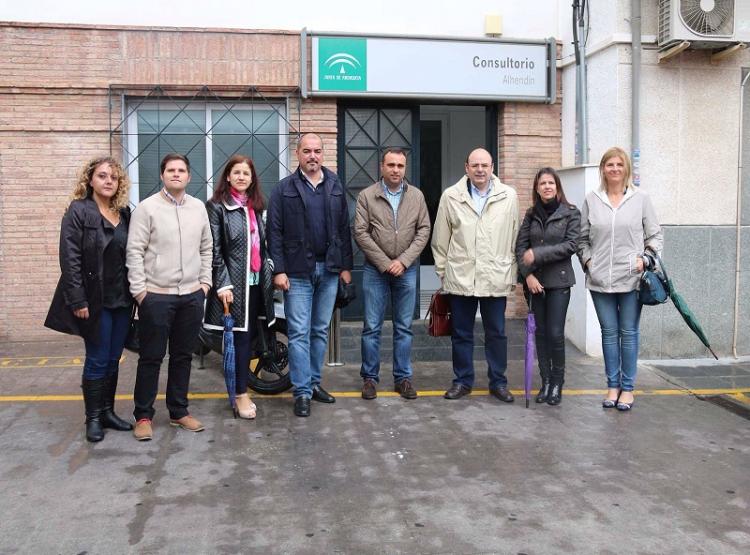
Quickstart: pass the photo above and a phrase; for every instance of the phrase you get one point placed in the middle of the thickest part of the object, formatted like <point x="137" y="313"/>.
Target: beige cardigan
<point x="169" y="247"/>
<point x="475" y="254"/>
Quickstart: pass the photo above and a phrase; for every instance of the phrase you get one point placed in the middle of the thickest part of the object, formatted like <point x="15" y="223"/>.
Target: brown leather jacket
<point x="381" y="237"/>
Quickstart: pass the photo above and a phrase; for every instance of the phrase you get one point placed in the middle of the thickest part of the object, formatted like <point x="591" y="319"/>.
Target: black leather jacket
<point x="82" y="244"/>
<point x="229" y="229"/>
<point x="553" y="243"/>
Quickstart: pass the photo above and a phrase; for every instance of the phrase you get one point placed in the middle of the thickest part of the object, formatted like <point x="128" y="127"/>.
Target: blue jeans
<point x="308" y="306"/>
<point x="376" y="287"/>
<point x="619" y="317"/>
<point x="463" y="316"/>
<point x="103" y="357"/>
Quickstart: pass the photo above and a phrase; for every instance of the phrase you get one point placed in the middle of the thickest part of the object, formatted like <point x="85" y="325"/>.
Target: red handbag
<point x="439" y="315"/>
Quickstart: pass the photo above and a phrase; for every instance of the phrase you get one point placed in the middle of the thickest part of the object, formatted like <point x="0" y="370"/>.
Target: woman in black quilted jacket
<point x="546" y="242"/>
<point x="235" y="213"/>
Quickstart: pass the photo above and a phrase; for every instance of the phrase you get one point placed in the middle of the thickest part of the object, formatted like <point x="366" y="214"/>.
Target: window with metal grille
<point x="208" y="129"/>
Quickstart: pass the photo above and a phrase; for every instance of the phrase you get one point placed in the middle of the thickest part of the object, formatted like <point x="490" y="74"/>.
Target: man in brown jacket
<point x="392" y="228"/>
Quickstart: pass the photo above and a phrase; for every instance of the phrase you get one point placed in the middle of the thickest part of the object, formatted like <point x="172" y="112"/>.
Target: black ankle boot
<point x="93" y="392"/>
<point x="555" y="393"/>
<point x="541" y="397"/>
<point x="108" y="417"/>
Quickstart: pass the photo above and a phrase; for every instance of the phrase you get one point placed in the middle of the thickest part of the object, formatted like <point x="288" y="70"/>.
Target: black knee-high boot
<point x="556" y="386"/>
<point x="93" y="392"/>
<point x="108" y="417"/>
<point x="544" y="371"/>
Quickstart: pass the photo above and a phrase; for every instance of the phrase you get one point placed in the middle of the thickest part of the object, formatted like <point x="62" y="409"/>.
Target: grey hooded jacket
<point x="612" y="238"/>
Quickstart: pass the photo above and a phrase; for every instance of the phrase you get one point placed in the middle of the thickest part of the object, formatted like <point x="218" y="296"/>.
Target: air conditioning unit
<point x="707" y="24"/>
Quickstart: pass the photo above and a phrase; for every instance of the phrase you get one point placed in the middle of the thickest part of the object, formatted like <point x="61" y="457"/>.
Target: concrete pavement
<point x="383" y="476"/>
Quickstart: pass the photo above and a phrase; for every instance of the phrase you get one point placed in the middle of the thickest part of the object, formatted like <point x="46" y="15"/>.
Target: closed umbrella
<point x="690" y="319"/>
<point x="230" y="372"/>
<point x="528" y="369"/>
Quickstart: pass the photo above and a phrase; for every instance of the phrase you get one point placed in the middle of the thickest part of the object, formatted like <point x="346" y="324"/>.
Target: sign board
<point x="433" y="68"/>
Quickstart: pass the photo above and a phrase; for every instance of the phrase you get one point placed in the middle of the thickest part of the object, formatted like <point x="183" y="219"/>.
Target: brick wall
<point x="529" y="137"/>
<point x="55" y="114"/>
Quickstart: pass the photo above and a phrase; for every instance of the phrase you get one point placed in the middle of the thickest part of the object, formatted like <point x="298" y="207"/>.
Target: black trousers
<point x="549" y="310"/>
<point x="243" y="340"/>
<point x="173" y="320"/>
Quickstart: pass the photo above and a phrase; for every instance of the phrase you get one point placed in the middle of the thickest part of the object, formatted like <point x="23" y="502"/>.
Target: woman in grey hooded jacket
<point x="618" y="223"/>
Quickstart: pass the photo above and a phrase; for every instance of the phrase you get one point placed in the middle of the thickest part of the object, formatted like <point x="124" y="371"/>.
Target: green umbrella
<point x="682" y="307"/>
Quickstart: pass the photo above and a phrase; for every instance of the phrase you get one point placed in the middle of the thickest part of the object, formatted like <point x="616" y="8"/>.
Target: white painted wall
<point x="689" y="115"/>
<point x="529" y="19"/>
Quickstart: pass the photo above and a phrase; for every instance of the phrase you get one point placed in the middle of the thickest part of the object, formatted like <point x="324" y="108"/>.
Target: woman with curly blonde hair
<point x="92" y="298"/>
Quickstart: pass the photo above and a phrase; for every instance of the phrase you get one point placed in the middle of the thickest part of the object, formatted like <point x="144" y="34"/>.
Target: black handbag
<point x="654" y="289"/>
<point x="346" y="293"/>
<point x="132" y="340"/>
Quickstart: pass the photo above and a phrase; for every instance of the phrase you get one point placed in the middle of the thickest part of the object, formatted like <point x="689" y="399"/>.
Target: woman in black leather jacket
<point x="235" y="213"/>
<point x="546" y="241"/>
<point x="92" y="298"/>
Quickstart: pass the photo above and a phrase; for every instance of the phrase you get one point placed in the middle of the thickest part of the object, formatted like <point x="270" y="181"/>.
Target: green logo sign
<point x="342" y="64"/>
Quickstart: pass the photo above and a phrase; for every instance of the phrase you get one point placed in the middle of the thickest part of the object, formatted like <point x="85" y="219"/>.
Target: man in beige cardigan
<point x="169" y="269"/>
<point x="392" y="227"/>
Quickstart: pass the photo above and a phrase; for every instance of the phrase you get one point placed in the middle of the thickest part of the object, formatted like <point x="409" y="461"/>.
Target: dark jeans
<point x="103" y="357"/>
<point x="463" y="315"/>
<point x="549" y="310"/>
<point x="173" y="319"/>
<point x="243" y="340"/>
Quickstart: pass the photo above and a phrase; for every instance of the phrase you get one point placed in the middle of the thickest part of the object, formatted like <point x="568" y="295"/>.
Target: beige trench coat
<point x="474" y="253"/>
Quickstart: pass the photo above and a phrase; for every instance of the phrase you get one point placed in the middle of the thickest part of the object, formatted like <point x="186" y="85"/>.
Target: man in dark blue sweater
<point x="310" y="244"/>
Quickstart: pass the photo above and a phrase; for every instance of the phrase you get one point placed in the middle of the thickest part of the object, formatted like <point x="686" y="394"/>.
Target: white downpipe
<point x="739" y="222"/>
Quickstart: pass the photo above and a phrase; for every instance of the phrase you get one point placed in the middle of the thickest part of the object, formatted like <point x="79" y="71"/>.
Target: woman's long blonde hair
<point x="611" y="153"/>
<point x="83" y="189"/>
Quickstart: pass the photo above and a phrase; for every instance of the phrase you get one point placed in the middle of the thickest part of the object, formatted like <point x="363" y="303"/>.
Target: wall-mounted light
<point x="493" y="25"/>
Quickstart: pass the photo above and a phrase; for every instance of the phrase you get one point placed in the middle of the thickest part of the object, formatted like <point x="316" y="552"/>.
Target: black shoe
<point x="457" y="391"/>
<point x="503" y="394"/>
<point x="555" y="394"/>
<point x="302" y="406"/>
<point x="108" y="417"/>
<point x="322" y="396"/>
<point x="541" y="397"/>
<point x="93" y="392"/>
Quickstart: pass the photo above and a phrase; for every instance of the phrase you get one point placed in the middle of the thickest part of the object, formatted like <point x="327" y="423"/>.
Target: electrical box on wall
<point x="704" y="24"/>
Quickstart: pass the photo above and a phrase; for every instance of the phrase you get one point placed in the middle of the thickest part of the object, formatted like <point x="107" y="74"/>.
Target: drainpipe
<point x="579" y="45"/>
<point x="635" y="30"/>
<point x="739" y="221"/>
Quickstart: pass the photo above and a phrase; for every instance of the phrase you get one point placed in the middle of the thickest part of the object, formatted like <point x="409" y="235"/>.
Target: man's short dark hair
<point x="392" y="150"/>
<point x="174" y="156"/>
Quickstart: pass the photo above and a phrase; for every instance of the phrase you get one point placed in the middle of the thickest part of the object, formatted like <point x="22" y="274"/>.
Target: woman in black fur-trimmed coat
<point x="235" y="213"/>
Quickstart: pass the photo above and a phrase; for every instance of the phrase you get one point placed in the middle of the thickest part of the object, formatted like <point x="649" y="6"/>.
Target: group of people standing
<point x="182" y="263"/>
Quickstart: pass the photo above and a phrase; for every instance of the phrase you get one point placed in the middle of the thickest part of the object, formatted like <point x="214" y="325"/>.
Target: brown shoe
<point x="405" y="389"/>
<point x="369" y="389"/>
<point x="143" y="430"/>
<point x="189" y="423"/>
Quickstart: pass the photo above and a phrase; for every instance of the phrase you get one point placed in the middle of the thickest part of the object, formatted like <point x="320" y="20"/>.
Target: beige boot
<point x="245" y="407"/>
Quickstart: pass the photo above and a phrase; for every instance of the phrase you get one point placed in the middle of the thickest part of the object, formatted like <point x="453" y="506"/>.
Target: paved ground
<point x="386" y="476"/>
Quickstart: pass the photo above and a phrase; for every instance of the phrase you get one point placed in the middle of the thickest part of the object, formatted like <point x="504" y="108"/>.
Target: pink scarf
<point x="254" y="243"/>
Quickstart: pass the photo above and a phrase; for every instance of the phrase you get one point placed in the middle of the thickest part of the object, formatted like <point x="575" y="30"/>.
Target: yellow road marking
<point x="740" y="394"/>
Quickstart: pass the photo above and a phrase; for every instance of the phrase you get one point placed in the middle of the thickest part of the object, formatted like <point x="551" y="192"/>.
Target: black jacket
<point x="553" y="243"/>
<point x="288" y="235"/>
<point x="230" y="265"/>
<point x="82" y="244"/>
